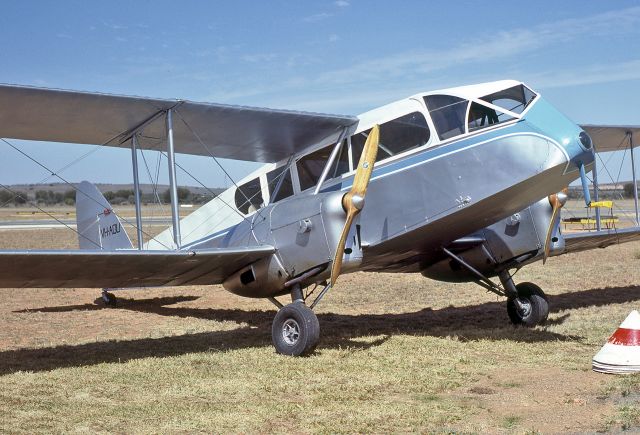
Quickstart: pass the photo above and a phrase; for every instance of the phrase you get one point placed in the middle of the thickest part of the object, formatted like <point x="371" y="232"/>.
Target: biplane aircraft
<point x="463" y="184"/>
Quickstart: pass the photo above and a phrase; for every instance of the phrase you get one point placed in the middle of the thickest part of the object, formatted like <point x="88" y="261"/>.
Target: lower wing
<point x="576" y="242"/>
<point x="125" y="268"/>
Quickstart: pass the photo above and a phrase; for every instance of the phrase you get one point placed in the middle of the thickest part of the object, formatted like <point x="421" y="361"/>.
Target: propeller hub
<point x="562" y="198"/>
<point x="357" y="201"/>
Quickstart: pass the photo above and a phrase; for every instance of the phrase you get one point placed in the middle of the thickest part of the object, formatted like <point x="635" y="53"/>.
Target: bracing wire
<point x="207" y="188"/>
<point x="616" y="180"/>
<point x="154" y="183"/>
<point x="209" y="151"/>
<point x="258" y="213"/>
<point x="53" y="174"/>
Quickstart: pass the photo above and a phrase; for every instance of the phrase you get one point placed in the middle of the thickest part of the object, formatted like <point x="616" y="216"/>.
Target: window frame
<point x="498" y="109"/>
<point x="528" y="104"/>
<point x="261" y="190"/>
<point x="433" y="141"/>
<point x="403" y="153"/>
<point x="437" y="130"/>
<point x="295" y="187"/>
<point x="332" y="146"/>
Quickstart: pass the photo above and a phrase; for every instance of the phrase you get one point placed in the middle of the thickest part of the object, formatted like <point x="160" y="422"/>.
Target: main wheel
<point x="295" y="330"/>
<point x="534" y="306"/>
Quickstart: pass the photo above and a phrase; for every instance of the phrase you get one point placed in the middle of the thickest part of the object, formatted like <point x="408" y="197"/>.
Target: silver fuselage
<point x="417" y="204"/>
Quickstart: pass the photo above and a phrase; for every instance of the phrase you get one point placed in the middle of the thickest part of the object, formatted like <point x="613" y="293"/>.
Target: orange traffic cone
<point x="621" y="354"/>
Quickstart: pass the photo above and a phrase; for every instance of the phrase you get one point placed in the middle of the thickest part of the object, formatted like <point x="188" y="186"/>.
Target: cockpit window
<point x="481" y="116"/>
<point x="448" y="114"/>
<point x="248" y="196"/>
<point x="280" y="184"/>
<point x="310" y="167"/>
<point x="396" y="136"/>
<point x="514" y="99"/>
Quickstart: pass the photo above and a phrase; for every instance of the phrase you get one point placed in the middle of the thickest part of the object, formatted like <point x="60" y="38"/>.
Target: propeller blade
<point x="557" y="200"/>
<point x="353" y="201"/>
<point x="337" y="261"/>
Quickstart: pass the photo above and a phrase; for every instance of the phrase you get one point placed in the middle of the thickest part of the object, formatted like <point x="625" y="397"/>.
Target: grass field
<point x="399" y="353"/>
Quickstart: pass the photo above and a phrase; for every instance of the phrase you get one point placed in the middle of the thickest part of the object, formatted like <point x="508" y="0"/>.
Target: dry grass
<point x="399" y="353"/>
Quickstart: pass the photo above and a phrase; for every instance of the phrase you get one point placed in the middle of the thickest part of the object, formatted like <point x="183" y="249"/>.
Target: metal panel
<point x="299" y="233"/>
<point x="235" y="132"/>
<point x="517" y="234"/>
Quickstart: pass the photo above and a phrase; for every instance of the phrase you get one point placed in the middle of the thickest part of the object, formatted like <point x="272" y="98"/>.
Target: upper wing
<point x="611" y="137"/>
<point x="234" y="132"/>
<point x="130" y="268"/>
<point x="576" y="242"/>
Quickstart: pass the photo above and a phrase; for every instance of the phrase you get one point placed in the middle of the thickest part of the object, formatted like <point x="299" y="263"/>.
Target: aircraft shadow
<point x="482" y="321"/>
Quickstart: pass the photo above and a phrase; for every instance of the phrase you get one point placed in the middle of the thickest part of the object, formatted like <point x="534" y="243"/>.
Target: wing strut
<point x="136" y="189"/>
<point x="175" y="217"/>
<point x="633" y="172"/>
<point x="332" y="158"/>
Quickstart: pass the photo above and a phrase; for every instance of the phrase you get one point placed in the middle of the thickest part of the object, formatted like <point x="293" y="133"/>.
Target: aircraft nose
<point x="580" y="150"/>
<point x="585" y="140"/>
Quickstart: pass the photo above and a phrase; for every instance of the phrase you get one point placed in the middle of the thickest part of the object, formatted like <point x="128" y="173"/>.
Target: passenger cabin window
<point x="448" y="114"/>
<point x="280" y="184"/>
<point x="396" y="136"/>
<point x="248" y="196"/>
<point x="310" y="167"/>
<point x="514" y="99"/>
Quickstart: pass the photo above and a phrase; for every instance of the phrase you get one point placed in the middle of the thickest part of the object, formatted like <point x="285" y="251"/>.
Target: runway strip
<point x="54" y="224"/>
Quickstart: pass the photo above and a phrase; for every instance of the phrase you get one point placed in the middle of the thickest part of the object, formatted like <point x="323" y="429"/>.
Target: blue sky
<point x="344" y="56"/>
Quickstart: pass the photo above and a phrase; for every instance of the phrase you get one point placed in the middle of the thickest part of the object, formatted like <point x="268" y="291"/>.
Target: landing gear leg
<point x="527" y="305"/>
<point x="295" y="330"/>
<point x="109" y="299"/>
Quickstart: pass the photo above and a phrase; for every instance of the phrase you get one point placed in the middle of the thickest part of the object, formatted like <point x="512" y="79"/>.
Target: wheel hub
<point x="523" y="306"/>
<point x="290" y="332"/>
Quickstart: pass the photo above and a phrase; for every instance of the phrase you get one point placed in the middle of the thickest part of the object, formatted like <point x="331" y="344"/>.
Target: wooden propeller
<point x="353" y="201"/>
<point x="557" y="200"/>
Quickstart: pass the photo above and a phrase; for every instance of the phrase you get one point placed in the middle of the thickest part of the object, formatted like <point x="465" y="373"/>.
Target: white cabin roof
<point x="400" y="107"/>
<point x="471" y="92"/>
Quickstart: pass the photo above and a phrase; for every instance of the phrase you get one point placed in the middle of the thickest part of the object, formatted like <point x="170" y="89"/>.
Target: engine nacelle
<point x="305" y="231"/>
<point x="265" y="277"/>
<point x="511" y="242"/>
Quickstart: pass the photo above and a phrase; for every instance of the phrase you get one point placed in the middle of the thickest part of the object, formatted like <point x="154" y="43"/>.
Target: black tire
<point x="536" y="308"/>
<point x="295" y="330"/>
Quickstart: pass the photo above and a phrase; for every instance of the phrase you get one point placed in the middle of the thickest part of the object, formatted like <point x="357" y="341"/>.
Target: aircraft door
<point x="298" y="232"/>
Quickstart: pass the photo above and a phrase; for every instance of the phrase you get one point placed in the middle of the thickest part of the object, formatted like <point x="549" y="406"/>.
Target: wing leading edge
<point x="229" y="131"/>
<point x="121" y="269"/>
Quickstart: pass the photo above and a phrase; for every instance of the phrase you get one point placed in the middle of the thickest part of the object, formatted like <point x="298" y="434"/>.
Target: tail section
<point x="98" y="225"/>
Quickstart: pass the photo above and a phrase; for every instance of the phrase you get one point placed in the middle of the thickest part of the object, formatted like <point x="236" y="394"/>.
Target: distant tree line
<point x="575" y="192"/>
<point x="7" y="198"/>
<point x="117" y="197"/>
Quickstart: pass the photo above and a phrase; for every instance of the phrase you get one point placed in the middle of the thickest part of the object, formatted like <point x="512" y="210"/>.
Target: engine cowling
<point x="511" y="242"/>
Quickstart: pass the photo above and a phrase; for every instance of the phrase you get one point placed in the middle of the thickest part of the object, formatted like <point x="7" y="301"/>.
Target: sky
<point x="342" y="56"/>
